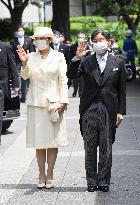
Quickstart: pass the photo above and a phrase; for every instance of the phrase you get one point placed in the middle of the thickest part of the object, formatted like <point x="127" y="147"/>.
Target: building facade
<point x="33" y="14"/>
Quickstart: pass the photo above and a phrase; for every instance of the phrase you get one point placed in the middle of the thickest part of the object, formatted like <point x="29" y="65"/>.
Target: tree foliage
<point x="128" y="9"/>
<point x="16" y="8"/>
<point x="60" y="20"/>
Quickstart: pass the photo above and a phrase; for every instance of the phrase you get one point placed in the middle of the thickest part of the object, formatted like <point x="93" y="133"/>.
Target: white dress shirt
<point x="56" y="47"/>
<point x="21" y="40"/>
<point x="102" y="61"/>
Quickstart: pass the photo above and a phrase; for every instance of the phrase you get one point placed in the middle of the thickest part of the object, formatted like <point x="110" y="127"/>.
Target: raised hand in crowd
<point x="82" y="50"/>
<point x="22" y="55"/>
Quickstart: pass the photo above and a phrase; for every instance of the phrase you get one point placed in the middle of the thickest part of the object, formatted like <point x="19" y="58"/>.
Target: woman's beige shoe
<point x="41" y="185"/>
<point x="49" y="184"/>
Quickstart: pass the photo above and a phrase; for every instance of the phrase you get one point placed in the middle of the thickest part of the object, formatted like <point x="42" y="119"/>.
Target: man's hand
<point x="119" y="119"/>
<point x="81" y="50"/>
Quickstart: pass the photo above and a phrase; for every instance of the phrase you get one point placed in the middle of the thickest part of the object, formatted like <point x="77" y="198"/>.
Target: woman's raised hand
<point x="22" y="55"/>
<point x="81" y="50"/>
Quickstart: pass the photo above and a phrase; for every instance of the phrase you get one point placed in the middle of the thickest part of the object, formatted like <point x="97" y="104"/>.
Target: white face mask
<point x="81" y="40"/>
<point x="100" y="47"/>
<point x="56" y="41"/>
<point x="41" y="44"/>
<point x="20" y="34"/>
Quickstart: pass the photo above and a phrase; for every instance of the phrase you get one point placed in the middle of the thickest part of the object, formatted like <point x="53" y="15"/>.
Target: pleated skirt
<point x="41" y="133"/>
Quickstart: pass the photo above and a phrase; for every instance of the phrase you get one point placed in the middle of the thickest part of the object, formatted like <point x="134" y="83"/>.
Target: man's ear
<point x="109" y="43"/>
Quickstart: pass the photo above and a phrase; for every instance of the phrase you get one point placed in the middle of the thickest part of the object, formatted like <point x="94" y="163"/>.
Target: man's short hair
<point x="56" y="33"/>
<point x="21" y="26"/>
<point x="81" y="33"/>
<point x="105" y="33"/>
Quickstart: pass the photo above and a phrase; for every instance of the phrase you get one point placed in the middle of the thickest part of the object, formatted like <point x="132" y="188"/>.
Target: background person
<point x="130" y="47"/>
<point x="102" y="106"/>
<point x="114" y="46"/>
<point x="78" y="84"/>
<point x="58" y="45"/>
<point x="46" y="101"/>
<point x="7" y="72"/>
<point x="21" y="39"/>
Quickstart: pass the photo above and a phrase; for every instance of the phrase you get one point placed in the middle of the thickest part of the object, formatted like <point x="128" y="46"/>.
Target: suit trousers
<point x="23" y="83"/>
<point x="1" y="111"/>
<point x="78" y="84"/>
<point x="97" y="131"/>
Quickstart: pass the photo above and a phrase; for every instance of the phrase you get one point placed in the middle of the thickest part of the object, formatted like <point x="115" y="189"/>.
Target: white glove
<point x="54" y="116"/>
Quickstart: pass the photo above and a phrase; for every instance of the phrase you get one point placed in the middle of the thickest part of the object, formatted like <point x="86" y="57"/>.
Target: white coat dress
<point x="48" y="81"/>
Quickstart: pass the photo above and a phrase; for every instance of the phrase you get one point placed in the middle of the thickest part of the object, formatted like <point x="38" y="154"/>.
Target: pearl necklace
<point x="43" y="57"/>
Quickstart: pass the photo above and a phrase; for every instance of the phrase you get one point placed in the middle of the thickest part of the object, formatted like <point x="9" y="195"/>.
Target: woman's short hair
<point x="105" y="33"/>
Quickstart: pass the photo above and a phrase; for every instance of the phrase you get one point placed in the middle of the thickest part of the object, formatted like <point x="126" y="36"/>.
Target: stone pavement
<point x="18" y="169"/>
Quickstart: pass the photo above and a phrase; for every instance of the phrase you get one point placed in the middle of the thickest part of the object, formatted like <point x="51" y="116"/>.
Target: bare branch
<point x="2" y="1"/>
<point x="25" y="3"/>
<point x="137" y="20"/>
<point x="10" y="5"/>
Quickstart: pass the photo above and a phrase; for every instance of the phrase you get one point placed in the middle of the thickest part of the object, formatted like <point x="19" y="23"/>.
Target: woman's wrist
<point x="24" y="65"/>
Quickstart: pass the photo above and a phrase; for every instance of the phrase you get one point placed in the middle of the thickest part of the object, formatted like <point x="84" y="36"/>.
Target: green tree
<point x="16" y="8"/>
<point x="60" y="20"/>
<point x="129" y="10"/>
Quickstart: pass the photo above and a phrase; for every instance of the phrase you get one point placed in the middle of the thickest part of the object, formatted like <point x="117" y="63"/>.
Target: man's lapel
<point x="61" y="48"/>
<point x="25" y="43"/>
<point x="94" y="68"/>
<point x="108" y="68"/>
<point x="16" y="41"/>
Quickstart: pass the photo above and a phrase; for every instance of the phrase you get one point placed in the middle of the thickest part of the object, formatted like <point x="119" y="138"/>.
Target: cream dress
<point x="47" y="81"/>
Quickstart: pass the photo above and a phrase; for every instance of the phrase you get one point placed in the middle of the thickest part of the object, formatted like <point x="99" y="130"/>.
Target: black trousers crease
<point x="97" y="131"/>
<point x="1" y="111"/>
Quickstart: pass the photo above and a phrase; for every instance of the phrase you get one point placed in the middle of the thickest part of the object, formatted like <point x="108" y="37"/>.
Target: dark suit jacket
<point x="28" y="46"/>
<point x="7" y="69"/>
<point x="112" y="91"/>
<point x="65" y="50"/>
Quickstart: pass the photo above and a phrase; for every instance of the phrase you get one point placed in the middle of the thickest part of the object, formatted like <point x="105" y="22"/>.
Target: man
<point x="130" y="47"/>
<point x="102" y="106"/>
<point x="26" y="43"/>
<point x="78" y="83"/>
<point x="7" y="72"/>
<point x="58" y="45"/>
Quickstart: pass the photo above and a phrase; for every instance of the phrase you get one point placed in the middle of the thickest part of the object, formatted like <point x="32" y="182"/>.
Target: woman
<point x="46" y="101"/>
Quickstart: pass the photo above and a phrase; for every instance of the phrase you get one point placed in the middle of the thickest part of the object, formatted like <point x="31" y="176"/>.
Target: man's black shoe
<point x="104" y="188"/>
<point x="92" y="188"/>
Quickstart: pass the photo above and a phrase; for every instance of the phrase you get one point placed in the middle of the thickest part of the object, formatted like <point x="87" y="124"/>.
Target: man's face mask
<point x="81" y="39"/>
<point x="41" y="44"/>
<point x="100" y="47"/>
<point x="56" y="41"/>
<point x="20" y="34"/>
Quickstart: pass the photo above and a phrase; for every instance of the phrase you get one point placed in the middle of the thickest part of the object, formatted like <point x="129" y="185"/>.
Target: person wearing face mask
<point x="58" y="45"/>
<point x="46" y="102"/>
<point x="21" y="39"/>
<point x="102" y="106"/>
<point x="78" y="83"/>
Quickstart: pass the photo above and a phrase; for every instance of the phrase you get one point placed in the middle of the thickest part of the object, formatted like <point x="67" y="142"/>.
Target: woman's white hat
<point x="43" y="31"/>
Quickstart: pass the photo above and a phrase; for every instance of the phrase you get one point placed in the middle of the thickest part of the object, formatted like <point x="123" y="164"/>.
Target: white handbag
<point x="54" y="116"/>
